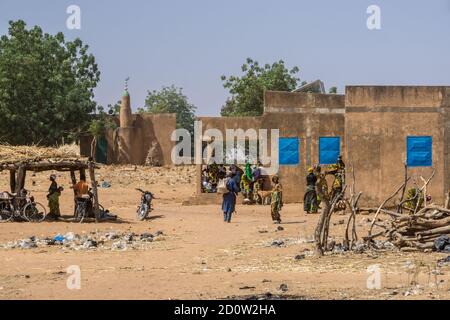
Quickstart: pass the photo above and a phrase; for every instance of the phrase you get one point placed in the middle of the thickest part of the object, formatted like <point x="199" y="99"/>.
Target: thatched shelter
<point x="18" y="160"/>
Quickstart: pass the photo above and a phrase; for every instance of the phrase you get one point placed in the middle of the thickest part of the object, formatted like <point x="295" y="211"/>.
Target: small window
<point x="329" y="149"/>
<point x="419" y="151"/>
<point x="289" y="151"/>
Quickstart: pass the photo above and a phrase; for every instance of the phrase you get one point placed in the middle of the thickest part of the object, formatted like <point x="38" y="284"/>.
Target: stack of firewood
<point x="412" y="228"/>
<point x="419" y="230"/>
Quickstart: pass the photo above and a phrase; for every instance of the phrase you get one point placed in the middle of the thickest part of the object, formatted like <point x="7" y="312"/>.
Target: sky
<point x="190" y="44"/>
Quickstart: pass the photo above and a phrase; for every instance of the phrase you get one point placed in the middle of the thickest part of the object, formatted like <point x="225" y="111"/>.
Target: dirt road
<point x="199" y="256"/>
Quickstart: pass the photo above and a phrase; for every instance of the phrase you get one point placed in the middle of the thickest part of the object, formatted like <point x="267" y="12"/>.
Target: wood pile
<point x="411" y="228"/>
<point x="418" y="230"/>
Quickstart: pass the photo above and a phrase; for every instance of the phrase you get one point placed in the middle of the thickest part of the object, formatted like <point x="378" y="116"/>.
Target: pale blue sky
<point x="192" y="43"/>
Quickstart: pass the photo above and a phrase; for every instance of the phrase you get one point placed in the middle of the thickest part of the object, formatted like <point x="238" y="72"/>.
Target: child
<point x="277" y="200"/>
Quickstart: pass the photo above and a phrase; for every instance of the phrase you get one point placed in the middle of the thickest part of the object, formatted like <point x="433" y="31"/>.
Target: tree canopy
<point x="247" y="91"/>
<point x="46" y="86"/>
<point x="171" y="100"/>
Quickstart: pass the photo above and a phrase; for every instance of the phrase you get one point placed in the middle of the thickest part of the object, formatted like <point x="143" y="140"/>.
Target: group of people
<point x="81" y="188"/>
<point x="316" y="184"/>
<point x="249" y="181"/>
<point x="246" y="181"/>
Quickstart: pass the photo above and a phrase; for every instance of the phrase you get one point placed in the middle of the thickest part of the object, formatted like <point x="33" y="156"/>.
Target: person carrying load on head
<point x="310" y="204"/>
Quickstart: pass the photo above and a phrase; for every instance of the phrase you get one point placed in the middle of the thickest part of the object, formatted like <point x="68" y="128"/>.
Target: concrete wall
<point x="373" y="123"/>
<point x="378" y="120"/>
<point x="306" y="116"/>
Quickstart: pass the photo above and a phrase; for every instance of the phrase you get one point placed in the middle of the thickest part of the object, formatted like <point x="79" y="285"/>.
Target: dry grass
<point x="9" y="153"/>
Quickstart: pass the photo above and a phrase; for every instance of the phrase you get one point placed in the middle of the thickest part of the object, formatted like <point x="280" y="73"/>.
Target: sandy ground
<point x="199" y="256"/>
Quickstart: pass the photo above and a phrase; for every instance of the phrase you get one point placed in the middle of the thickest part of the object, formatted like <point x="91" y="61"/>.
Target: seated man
<point x="81" y="188"/>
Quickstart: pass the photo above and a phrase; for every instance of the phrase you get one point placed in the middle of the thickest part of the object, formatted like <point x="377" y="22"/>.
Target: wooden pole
<point x="20" y="179"/>
<point x="447" y="200"/>
<point x="73" y="178"/>
<point x="12" y="180"/>
<point x="94" y="190"/>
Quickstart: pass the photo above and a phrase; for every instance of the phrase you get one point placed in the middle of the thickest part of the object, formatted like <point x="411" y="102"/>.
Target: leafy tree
<point x="247" y="91"/>
<point x="46" y="86"/>
<point x="103" y="121"/>
<point x="171" y="100"/>
<point x="333" y="90"/>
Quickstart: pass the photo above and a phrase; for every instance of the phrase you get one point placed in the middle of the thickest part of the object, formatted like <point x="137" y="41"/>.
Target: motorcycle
<point x="145" y="207"/>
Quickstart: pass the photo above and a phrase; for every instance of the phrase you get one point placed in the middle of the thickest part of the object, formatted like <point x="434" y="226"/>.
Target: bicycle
<point x="20" y="206"/>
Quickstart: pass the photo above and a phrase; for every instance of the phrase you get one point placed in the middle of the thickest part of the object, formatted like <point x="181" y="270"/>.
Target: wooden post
<point x="447" y="200"/>
<point x="12" y="180"/>
<point x="82" y="173"/>
<point x="94" y="190"/>
<point x="21" y="179"/>
<point x="74" y="182"/>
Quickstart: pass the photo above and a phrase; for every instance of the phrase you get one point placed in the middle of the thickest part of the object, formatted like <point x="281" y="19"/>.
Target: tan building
<point x="375" y="128"/>
<point x="139" y="139"/>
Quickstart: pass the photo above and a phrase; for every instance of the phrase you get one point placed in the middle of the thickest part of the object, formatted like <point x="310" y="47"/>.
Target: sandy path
<point x="201" y="257"/>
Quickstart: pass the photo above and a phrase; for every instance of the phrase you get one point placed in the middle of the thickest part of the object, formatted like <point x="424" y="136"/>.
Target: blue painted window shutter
<point x="419" y="151"/>
<point x="289" y="151"/>
<point x="329" y="149"/>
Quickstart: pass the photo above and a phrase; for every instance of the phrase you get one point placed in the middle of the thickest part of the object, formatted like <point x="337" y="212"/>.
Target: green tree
<point x="171" y="100"/>
<point x="46" y="86"/>
<point x="101" y="122"/>
<point x="247" y="91"/>
<point x="333" y="90"/>
<point x="104" y="120"/>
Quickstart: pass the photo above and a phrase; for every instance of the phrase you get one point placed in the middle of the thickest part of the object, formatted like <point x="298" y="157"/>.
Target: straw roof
<point x="64" y="157"/>
<point x="10" y="154"/>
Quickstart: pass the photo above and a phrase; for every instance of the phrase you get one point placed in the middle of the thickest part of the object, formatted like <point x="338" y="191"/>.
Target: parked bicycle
<point x="22" y="206"/>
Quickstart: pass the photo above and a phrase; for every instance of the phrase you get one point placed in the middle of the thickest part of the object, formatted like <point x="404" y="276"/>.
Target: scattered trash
<point x="300" y="257"/>
<point x="277" y="243"/>
<point x="119" y="245"/>
<point x="442" y="244"/>
<point x="247" y="288"/>
<point x="69" y="236"/>
<point x="27" y="244"/>
<point x="106" y="184"/>
<point x="283" y="287"/>
<point x="443" y="261"/>
<point x="110" y="240"/>
<point x="58" y="238"/>
<point x="88" y="244"/>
